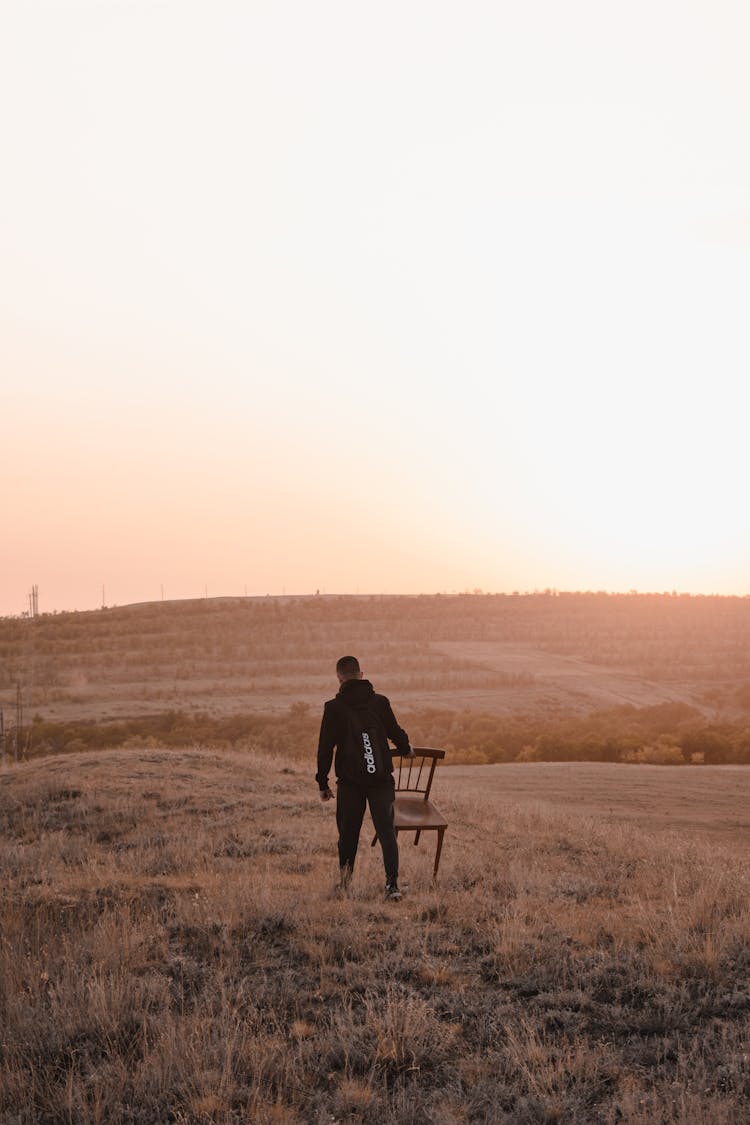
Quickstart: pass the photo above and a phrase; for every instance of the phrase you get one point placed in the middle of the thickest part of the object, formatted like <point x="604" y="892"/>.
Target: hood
<point x="356" y="693"/>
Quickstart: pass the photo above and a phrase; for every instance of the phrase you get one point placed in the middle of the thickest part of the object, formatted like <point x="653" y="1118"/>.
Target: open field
<point x="171" y="950"/>
<point x="712" y="803"/>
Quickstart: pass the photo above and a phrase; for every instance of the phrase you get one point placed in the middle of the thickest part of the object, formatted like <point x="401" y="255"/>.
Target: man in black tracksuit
<point x="354" y="789"/>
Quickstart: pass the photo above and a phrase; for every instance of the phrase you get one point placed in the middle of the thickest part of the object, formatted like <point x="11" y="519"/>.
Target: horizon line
<point x="547" y="591"/>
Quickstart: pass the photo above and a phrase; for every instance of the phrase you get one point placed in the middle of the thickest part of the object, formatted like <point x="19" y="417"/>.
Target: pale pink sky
<point x="399" y="297"/>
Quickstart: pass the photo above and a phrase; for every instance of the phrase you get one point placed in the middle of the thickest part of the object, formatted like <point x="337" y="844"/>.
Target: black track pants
<point x="350" y="810"/>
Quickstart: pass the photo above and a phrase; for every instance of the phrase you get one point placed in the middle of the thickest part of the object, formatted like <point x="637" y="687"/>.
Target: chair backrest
<point x="414" y="775"/>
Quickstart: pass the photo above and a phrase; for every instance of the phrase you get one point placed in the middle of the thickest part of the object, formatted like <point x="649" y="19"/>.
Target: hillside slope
<point x="541" y="654"/>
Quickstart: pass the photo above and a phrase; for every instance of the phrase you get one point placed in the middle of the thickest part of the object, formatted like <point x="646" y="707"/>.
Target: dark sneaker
<point x="392" y="893"/>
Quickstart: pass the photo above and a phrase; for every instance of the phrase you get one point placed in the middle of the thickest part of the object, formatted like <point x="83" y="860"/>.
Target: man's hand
<point x="326" y="795"/>
<point x="411" y="753"/>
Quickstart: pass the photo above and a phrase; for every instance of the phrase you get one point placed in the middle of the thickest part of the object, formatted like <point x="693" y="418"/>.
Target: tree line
<point x="665" y="734"/>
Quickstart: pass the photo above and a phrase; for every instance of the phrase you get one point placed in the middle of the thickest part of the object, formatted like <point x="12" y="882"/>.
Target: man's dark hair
<point x="347" y="667"/>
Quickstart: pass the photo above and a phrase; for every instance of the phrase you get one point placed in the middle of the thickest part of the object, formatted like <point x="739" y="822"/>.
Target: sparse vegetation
<point x="227" y="656"/>
<point x="170" y="950"/>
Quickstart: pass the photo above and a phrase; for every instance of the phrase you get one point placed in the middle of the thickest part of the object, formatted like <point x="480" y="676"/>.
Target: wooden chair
<point x="414" y="811"/>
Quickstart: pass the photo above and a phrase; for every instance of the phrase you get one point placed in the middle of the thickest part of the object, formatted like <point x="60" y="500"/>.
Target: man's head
<point x="347" y="668"/>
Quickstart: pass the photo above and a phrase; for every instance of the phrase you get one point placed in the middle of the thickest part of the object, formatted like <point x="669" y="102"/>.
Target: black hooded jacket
<point x="334" y="727"/>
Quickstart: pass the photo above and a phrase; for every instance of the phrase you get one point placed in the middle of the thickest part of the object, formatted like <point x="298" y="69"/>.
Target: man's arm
<point x="326" y="743"/>
<point x="396" y="733"/>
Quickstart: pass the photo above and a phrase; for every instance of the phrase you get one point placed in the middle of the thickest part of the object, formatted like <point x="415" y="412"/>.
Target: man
<point x="358" y="723"/>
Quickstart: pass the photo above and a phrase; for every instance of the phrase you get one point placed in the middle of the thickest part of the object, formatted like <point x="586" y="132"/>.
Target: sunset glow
<point x="389" y="298"/>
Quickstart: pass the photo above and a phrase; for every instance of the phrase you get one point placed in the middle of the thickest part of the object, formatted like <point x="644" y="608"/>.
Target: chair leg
<point x="416" y="837"/>
<point x="437" y="853"/>
<point x="374" y="840"/>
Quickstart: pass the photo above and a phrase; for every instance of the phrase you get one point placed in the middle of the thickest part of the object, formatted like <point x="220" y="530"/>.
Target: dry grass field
<point x="711" y="803"/>
<point x="171" y="950"/>
<point x="538" y="681"/>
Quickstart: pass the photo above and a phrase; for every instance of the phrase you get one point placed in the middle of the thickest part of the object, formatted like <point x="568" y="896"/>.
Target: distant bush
<point x="663" y="752"/>
<point x="717" y="747"/>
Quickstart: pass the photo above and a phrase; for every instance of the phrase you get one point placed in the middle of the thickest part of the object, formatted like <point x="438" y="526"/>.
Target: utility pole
<point x="19" y="720"/>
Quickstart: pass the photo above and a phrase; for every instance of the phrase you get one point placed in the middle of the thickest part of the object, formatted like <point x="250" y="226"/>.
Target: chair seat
<point x="416" y="813"/>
